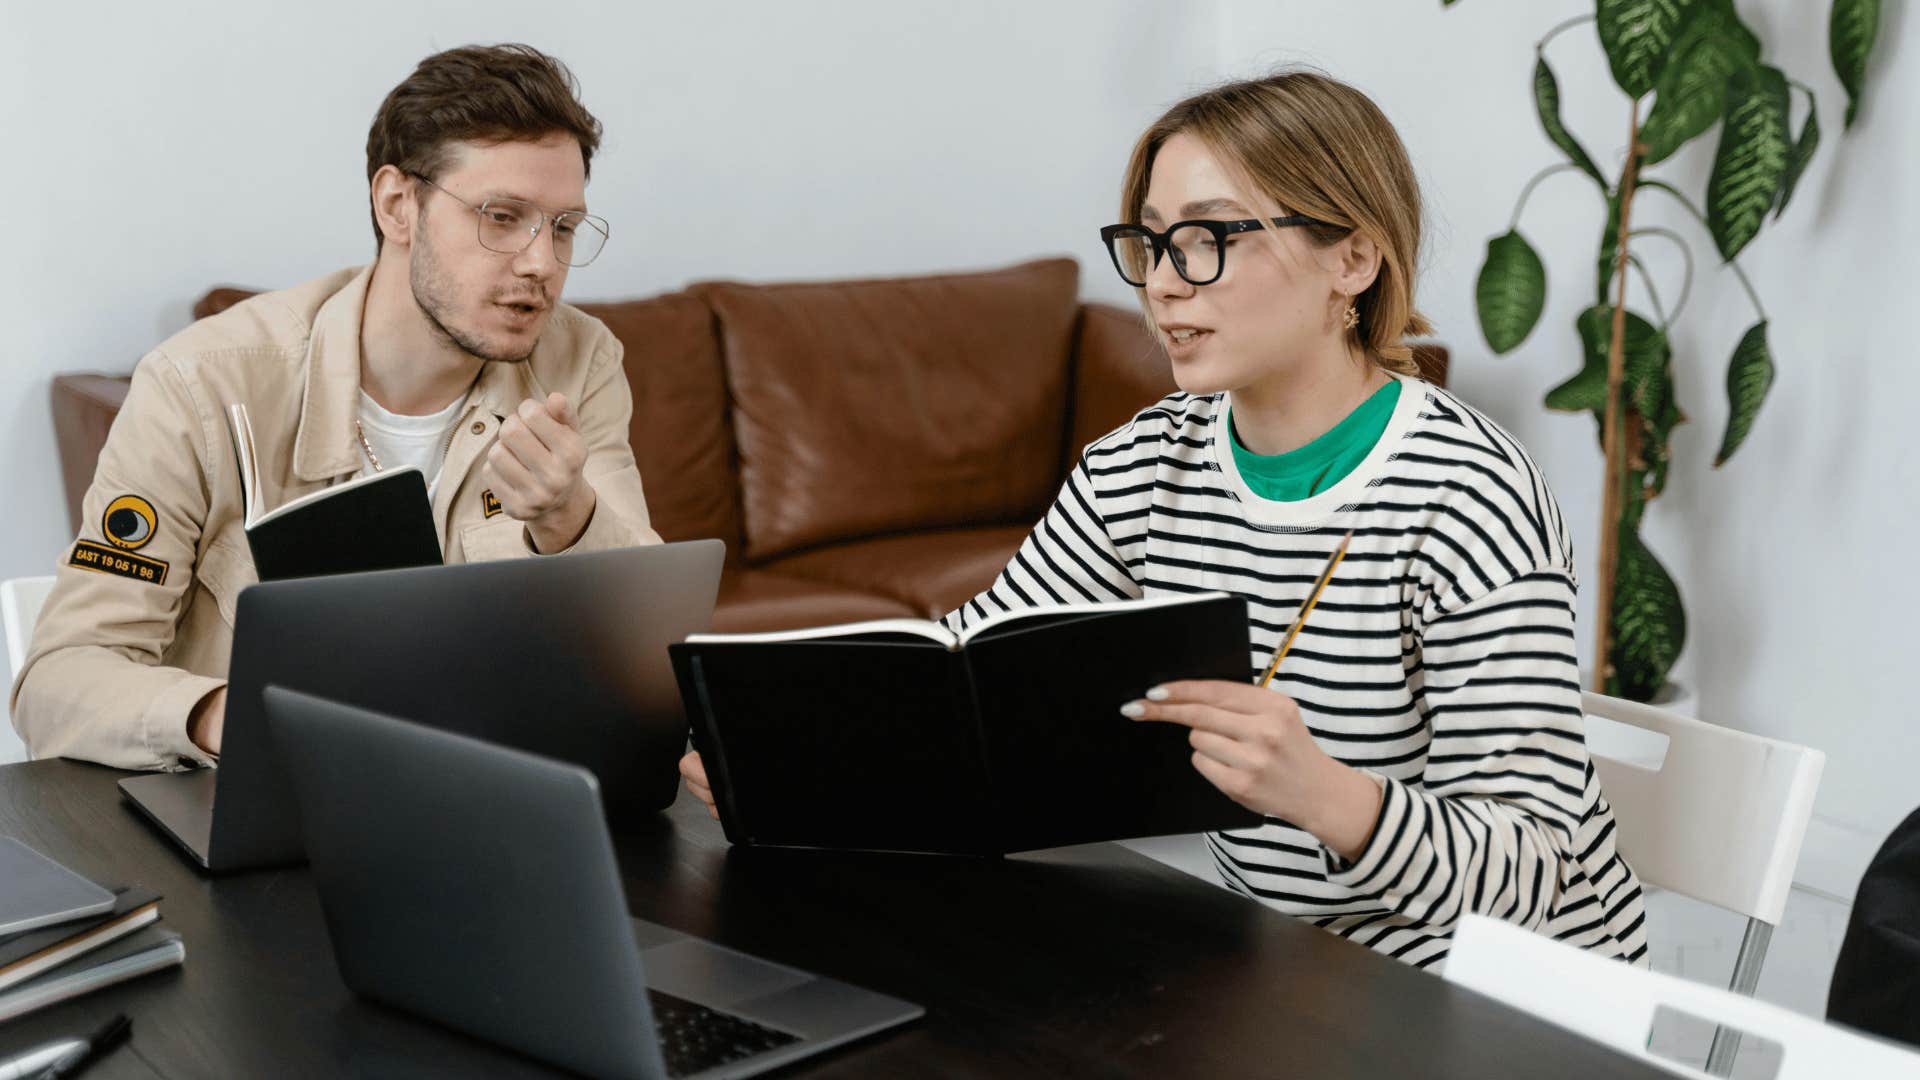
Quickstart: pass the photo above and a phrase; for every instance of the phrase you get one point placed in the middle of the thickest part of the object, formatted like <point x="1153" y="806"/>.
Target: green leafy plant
<point x="1699" y="65"/>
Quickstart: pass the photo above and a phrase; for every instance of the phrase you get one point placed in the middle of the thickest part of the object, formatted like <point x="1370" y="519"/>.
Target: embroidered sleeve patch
<point x="102" y="559"/>
<point x="129" y="522"/>
<point x="489" y="505"/>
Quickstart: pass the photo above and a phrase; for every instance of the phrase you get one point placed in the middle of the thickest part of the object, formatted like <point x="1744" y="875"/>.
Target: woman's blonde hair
<point x="1314" y="146"/>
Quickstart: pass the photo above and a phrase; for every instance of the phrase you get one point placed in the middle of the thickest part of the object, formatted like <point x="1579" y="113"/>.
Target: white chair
<point x="1614" y="1004"/>
<point x="1720" y="819"/>
<point x="1187" y="853"/>
<point x="20" y="600"/>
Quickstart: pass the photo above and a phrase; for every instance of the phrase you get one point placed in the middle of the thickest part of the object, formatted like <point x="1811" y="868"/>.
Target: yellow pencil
<point x="1306" y="609"/>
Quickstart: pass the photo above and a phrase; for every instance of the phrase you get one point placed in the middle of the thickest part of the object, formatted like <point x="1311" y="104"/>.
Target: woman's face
<point x="1275" y="304"/>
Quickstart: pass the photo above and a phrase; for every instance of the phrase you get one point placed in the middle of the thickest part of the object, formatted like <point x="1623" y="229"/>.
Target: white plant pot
<point x="1678" y="697"/>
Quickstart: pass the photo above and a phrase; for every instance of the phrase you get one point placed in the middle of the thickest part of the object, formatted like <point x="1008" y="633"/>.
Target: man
<point x="450" y="352"/>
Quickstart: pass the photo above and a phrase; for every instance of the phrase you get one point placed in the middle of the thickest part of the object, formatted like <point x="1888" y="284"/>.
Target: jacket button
<point x="479" y="426"/>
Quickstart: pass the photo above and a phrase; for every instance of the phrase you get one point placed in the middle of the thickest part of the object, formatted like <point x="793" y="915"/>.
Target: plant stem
<point x="1752" y="296"/>
<point x="1731" y="264"/>
<point x="1686" y="253"/>
<point x="1614" y="499"/>
<point x="1653" y="293"/>
<point x="1527" y="192"/>
<point x="1541" y="45"/>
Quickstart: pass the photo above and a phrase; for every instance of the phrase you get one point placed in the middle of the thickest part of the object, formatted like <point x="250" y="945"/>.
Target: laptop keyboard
<point x="694" y="1038"/>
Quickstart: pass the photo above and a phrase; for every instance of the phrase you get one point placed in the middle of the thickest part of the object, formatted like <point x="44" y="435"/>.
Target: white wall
<point x="152" y="154"/>
<point x="1794" y="560"/>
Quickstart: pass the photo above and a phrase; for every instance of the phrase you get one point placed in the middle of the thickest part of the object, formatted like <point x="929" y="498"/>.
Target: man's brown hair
<point x="476" y="93"/>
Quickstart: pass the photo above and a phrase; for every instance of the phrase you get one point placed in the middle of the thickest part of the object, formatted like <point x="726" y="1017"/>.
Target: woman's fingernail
<point x="1158" y="693"/>
<point x="1133" y="710"/>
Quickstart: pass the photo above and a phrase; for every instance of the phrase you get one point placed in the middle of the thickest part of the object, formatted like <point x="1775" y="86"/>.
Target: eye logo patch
<point x="129" y="522"/>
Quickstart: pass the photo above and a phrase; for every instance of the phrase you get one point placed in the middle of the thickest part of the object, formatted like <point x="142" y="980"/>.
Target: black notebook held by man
<point x="380" y="521"/>
<point x="898" y="735"/>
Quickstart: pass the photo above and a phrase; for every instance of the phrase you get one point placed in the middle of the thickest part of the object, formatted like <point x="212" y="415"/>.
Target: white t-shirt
<point x="419" y="441"/>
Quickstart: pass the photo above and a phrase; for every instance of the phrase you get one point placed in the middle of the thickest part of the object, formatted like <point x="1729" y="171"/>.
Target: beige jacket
<point x="139" y="625"/>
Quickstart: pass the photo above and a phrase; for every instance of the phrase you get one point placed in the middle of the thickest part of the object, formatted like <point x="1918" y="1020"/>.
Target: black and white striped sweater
<point x="1441" y="657"/>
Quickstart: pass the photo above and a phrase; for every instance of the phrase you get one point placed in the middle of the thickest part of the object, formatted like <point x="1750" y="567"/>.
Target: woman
<point x="1420" y="754"/>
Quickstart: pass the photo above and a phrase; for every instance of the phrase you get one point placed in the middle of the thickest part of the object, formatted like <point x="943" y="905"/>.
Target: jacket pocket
<point x="490" y="540"/>
<point x="223" y="572"/>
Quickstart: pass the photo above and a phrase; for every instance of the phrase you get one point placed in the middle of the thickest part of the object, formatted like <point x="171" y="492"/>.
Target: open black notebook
<point x="380" y="521"/>
<point x="898" y="735"/>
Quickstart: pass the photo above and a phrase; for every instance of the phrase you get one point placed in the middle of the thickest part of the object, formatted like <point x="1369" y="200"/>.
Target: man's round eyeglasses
<point x="1199" y="248"/>
<point x="510" y="226"/>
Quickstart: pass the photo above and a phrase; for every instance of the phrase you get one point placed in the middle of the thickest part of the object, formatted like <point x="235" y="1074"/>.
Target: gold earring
<point x="1352" y="317"/>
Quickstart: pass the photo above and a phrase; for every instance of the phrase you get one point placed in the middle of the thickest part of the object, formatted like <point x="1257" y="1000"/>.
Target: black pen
<point x="111" y="1034"/>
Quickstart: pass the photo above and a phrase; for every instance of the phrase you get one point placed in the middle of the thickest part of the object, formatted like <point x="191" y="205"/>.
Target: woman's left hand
<point x="1253" y="745"/>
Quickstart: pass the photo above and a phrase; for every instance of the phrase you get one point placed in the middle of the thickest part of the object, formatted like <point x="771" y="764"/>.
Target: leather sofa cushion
<point x="754" y="600"/>
<point x="1432" y="360"/>
<point x="679" y="433"/>
<point x="219" y="299"/>
<point x="931" y="572"/>
<point x="1118" y="369"/>
<point x="83" y="410"/>
<point x="868" y="407"/>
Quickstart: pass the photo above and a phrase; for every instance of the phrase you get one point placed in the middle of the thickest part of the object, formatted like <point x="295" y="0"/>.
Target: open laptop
<point x="564" y="656"/>
<point x="476" y="885"/>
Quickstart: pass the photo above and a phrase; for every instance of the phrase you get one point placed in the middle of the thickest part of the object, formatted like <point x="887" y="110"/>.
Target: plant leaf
<point x="1636" y="35"/>
<point x="1546" y="99"/>
<point x="1586" y="391"/>
<point x="1649" y="621"/>
<point x="1749" y="376"/>
<point x="1511" y="291"/>
<point x="1656" y="444"/>
<point x="1751" y="160"/>
<point x="1711" y="45"/>
<point x="1851" y="29"/>
<point x="1647" y="377"/>
<point x="1645" y="383"/>
<point x="1802" y="153"/>
<point x="1656" y="435"/>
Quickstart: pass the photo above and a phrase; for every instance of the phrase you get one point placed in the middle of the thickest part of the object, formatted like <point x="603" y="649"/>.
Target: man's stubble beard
<point x="432" y="290"/>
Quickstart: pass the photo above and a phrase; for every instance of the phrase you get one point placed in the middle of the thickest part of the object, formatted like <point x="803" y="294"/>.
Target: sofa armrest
<point x="219" y="299"/>
<point x="1118" y="369"/>
<point x="83" y="410"/>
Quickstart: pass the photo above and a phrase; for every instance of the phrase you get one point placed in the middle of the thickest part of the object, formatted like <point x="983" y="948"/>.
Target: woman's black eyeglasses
<point x="1199" y="248"/>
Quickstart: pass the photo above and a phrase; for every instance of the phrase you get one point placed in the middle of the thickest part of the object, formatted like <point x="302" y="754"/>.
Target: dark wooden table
<point x="1085" y="961"/>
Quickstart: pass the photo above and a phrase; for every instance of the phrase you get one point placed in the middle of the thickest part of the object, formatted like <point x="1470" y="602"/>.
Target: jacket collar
<point x="326" y="445"/>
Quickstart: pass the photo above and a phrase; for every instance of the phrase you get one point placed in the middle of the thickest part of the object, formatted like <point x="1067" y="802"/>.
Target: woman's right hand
<point x="694" y="772"/>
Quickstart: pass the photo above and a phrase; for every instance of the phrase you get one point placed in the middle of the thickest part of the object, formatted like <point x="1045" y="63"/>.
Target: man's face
<point x="491" y="304"/>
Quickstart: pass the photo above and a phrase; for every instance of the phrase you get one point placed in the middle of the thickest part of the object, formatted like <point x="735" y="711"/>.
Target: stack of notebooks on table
<point x="62" y="936"/>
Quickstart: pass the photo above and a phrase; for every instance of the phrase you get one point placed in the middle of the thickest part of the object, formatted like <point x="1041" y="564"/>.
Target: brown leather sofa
<point x="866" y="449"/>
